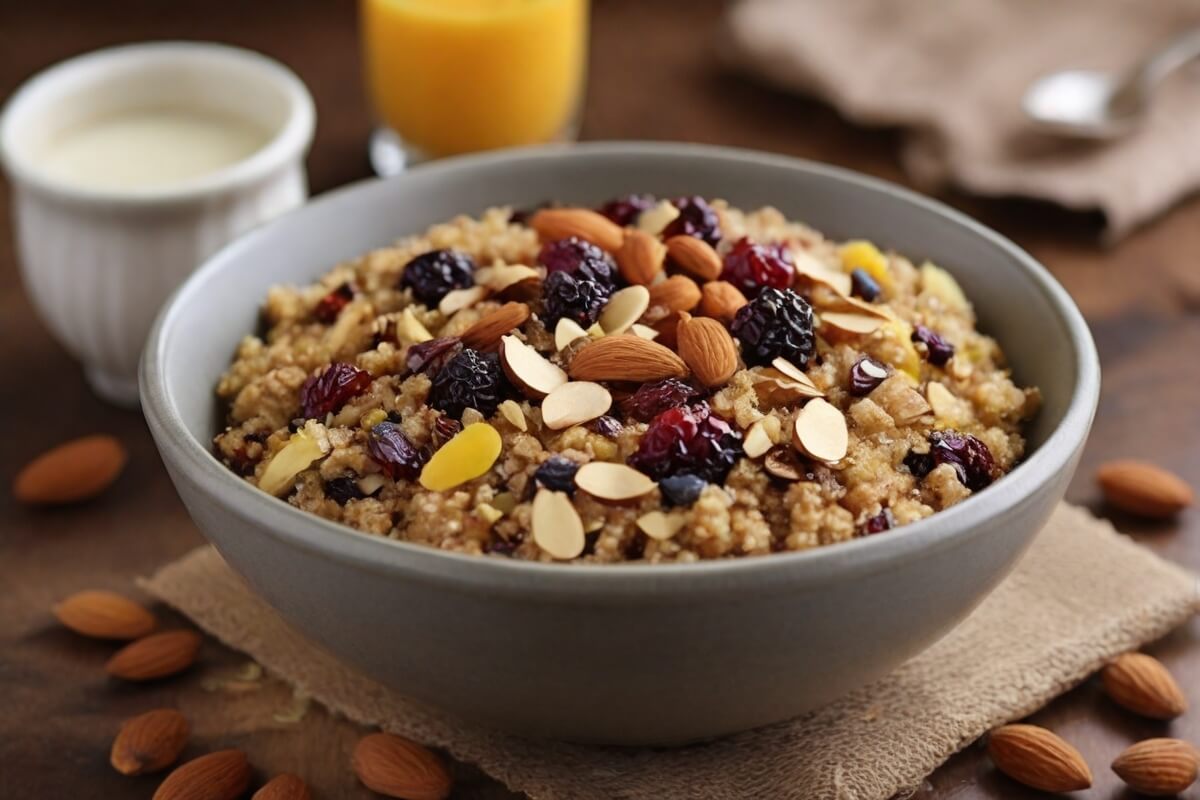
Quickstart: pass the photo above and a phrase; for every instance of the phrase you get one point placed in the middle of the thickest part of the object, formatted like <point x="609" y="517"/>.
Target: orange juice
<point x="452" y="76"/>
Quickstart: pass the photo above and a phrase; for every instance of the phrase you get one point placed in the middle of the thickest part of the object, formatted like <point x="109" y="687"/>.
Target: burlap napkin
<point x="953" y="74"/>
<point x="1082" y="594"/>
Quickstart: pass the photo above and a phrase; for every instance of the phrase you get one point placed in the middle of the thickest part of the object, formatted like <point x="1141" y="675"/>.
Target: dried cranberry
<point x="970" y="457"/>
<point x="937" y="350"/>
<point x="325" y="393"/>
<point x="625" y="210"/>
<point x="606" y="426"/>
<point x="696" y="218"/>
<point x="557" y="473"/>
<point x="580" y="299"/>
<point x="342" y="490"/>
<point x="690" y="439"/>
<point x="865" y="375"/>
<point x="469" y="380"/>
<point x="864" y="286"/>
<point x="329" y="306"/>
<point x="429" y="357"/>
<point x="750" y="266"/>
<point x="393" y="452"/>
<point x="883" y="521"/>
<point x="777" y="323"/>
<point x="435" y="274"/>
<point x="651" y="399"/>
<point x="580" y="259"/>
<point x="681" y="490"/>
<point x="445" y="429"/>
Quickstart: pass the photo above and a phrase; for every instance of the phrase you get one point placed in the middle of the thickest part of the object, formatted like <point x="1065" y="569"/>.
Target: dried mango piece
<point x="861" y="254"/>
<point x="471" y="453"/>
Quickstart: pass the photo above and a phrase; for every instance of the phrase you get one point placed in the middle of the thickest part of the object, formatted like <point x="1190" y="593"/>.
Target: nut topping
<point x="557" y="528"/>
<point x="528" y="369"/>
<point x="575" y="403"/>
<point x="614" y="482"/>
<point x="820" y="431"/>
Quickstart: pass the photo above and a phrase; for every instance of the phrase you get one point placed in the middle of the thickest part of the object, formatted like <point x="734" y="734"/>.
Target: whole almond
<point x="1038" y="758"/>
<point x="707" y="348"/>
<point x="223" y="775"/>
<point x="678" y="293"/>
<point x="486" y="332"/>
<point x="283" y="787"/>
<point x="74" y="471"/>
<point x="553" y="224"/>
<point x="625" y="358"/>
<point x="397" y="767"/>
<point x="695" y="257"/>
<point x="1144" y="489"/>
<point x="640" y="257"/>
<point x="149" y="742"/>
<point x="1158" y="767"/>
<point x="721" y="300"/>
<point x="104" y="615"/>
<point x="155" y="656"/>
<point x="1141" y="684"/>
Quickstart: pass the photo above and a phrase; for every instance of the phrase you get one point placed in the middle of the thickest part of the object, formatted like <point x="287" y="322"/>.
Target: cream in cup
<point x="130" y="166"/>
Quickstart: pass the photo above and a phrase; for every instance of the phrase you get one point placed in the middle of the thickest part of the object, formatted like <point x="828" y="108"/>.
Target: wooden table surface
<point x="654" y="76"/>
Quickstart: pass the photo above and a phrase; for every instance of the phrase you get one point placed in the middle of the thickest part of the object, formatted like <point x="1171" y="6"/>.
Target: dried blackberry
<point x="580" y="259"/>
<point x="651" y="399"/>
<point x="750" y="266"/>
<point x="681" y="490"/>
<point x="696" y="218"/>
<point x="396" y="456"/>
<point x="937" y="350"/>
<point x="777" y="323"/>
<point x="626" y="210"/>
<point x="342" y="490"/>
<point x="579" y="299"/>
<point x="690" y="439"/>
<point x="557" y="473"/>
<point x="469" y="380"/>
<point x="325" y="393"/>
<point x="435" y="274"/>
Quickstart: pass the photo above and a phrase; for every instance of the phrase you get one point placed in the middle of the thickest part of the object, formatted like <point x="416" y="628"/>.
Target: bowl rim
<point x="861" y="557"/>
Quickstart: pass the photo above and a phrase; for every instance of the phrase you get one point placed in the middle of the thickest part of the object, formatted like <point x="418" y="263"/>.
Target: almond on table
<point x="71" y="472"/>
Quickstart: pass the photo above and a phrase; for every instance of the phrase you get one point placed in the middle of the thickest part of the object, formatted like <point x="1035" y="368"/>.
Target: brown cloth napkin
<point x="1082" y="594"/>
<point x="953" y="74"/>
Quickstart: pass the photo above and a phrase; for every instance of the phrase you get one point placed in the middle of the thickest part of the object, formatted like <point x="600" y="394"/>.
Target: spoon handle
<point x="1158" y="65"/>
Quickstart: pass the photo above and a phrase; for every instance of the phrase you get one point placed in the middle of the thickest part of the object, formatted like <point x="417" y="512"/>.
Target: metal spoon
<point x="1090" y="104"/>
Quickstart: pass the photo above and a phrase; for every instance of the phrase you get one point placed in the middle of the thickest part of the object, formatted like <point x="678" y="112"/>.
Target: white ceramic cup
<point x="99" y="263"/>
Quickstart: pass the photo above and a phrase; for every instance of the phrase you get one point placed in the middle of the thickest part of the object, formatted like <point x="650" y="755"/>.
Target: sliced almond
<point x="511" y="411"/>
<point x="653" y="220"/>
<point x="458" y="299"/>
<point x="853" y="305"/>
<point x="486" y="332"/>
<point x="557" y="528"/>
<point x="641" y="257"/>
<point x="626" y="358"/>
<point x="567" y="331"/>
<point x="721" y="300"/>
<point x="644" y="331"/>
<point x="941" y="400"/>
<point x="528" y="369"/>
<point x="793" y="373"/>
<point x="775" y="390"/>
<point x="849" y="324"/>
<point x="574" y="403"/>
<point x="758" y="441"/>
<point x="296" y="456"/>
<point x="820" y="431"/>
<point x="624" y="308"/>
<point x="370" y="484"/>
<point x="707" y="348"/>
<point x="615" y="482"/>
<point x="661" y="525"/>
<point x="409" y="329"/>
<point x="595" y="331"/>
<point x="499" y="277"/>
<point x="678" y="292"/>
<point x="553" y="224"/>
<point x="810" y="268"/>
<point x="695" y="257"/>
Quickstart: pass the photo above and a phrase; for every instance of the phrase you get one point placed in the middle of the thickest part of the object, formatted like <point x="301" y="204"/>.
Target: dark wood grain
<point x="654" y="75"/>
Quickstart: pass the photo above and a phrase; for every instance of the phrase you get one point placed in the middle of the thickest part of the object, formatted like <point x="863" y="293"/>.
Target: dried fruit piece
<point x="661" y="525"/>
<point x="626" y="210"/>
<point x="433" y="275"/>
<point x="606" y="426"/>
<point x="651" y="399"/>
<point x="528" y="369"/>
<point x="689" y="439"/>
<point x="681" y="490"/>
<point x="695" y="257"/>
<point x="467" y="456"/>
<point x="149" y="742"/>
<point x="937" y="350"/>
<point x="820" y="431"/>
<point x="721" y="300"/>
<point x="625" y="358"/>
<point x="1141" y="684"/>
<point x="343" y="489"/>
<point x="399" y="767"/>
<point x="396" y="456"/>
<point x="566" y="332"/>
<point x="751" y="266"/>
<point x="640" y="258"/>
<point x="155" y="656"/>
<point x="557" y="528"/>
<point x="485" y="334"/>
<point x="883" y="521"/>
<point x="1038" y="758"/>
<point x="71" y="472"/>
<point x="575" y="403"/>
<point x="864" y="286"/>
<point x="104" y="615"/>
<point x="296" y="456"/>
<point x="775" y="323"/>
<point x="330" y="306"/>
<point x="1158" y="767"/>
<point x="707" y="348"/>
<point x="469" y="380"/>
<point x="677" y="293"/>
<point x="941" y="284"/>
<point x="865" y="375"/>
<point x="283" y="787"/>
<point x="970" y="457"/>
<point x="1142" y="488"/>
<point x="327" y="392"/>
<point x="578" y="299"/>
<point x="616" y="482"/>
<point x="557" y="473"/>
<point x="223" y="775"/>
<point x="623" y="309"/>
<point x="430" y="356"/>
<point x="863" y="255"/>
<point x="582" y="260"/>
<point x="696" y="218"/>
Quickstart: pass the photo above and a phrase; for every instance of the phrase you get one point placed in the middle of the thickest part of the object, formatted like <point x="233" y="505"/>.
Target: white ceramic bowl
<point x="635" y="653"/>
<point x="98" y="263"/>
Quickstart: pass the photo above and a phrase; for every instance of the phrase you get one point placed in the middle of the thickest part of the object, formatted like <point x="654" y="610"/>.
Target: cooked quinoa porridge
<point x="649" y="381"/>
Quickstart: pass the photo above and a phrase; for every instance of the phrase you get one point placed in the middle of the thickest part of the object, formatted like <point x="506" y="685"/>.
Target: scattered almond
<point x="397" y="767"/>
<point x="458" y="299"/>
<point x="557" y="528"/>
<point x="511" y="411"/>
<point x="500" y="277"/>
<point x="644" y="331"/>
<point x="721" y="300"/>
<point x="662" y="525"/>
<point x="1144" y="489"/>
<point x="820" y="431"/>
<point x="471" y="453"/>
<point x="1158" y="767"/>
<point x="707" y="348"/>
<point x="811" y="270"/>
<point x="486" y="332"/>
<point x="640" y="258"/>
<point x="695" y="257"/>
<point x="654" y="219"/>
<point x="104" y="615"/>
<point x="678" y="292"/>
<point x="625" y="358"/>
<point x="624" y="308"/>
<point x="155" y="656"/>
<point x="283" y="787"/>
<point x="838" y="325"/>
<point x="296" y="456"/>
<point x="793" y="373"/>
<point x="409" y="329"/>
<point x="609" y="481"/>
<point x="574" y="403"/>
<point x="567" y="331"/>
<point x="940" y="399"/>
<point x="1038" y="758"/>
<point x="149" y="742"/>
<point x="553" y="224"/>
<point x="758" y="441"/>
<point x="529" y="370"/>
<point x="1141" y="684"/>
<point x="223" y="775"/>
<point x="69" y="473"/>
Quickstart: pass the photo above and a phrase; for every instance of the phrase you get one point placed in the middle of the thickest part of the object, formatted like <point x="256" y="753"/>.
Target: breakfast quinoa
<point x="650" y="381"/>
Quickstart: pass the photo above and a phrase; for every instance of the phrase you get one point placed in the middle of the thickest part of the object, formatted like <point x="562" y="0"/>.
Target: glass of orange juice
<point x="456" y="76"/>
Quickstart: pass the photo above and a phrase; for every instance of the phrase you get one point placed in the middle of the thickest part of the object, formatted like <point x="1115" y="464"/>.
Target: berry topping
<point x="342" y="490"/>
<point x="970" y="457"/>
<point x="883" y="521"/>
<point x="865" y="375"/>
<point x="689" y="439"/>
<point x="431" y="356"/>
<point x="696" y="218"/>
<point x="469" y="380"/>
<point x="329" y="306"/>
<point x="606" y="426"/>
<point x="937" y="350"/>
<point x="651" y="399"/>
<point x="557" y="474"/>
<point x="777" y="323"/>
<point x="681" y="490"/>
<point x="580" y="300"/>
<point x="580" y="259"/>
<point x="864" y="286"/>
<point x="750" y="267"/>
<point x="325" y="393"/>
<point x="444" y="429"/>
<point x="434" y="274"/>
<point x="393" y="452"/>
<point x="625" y="210"/>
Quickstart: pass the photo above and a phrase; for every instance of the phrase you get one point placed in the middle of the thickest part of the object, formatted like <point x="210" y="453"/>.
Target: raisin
<point x="325" y="393"/>
<point x="777" y="323"/>
<point x="396" y="456"/>
<point x="626" y="210"/>
<point x="329" y="306"/>
<point x="557" y="473"/>
<point x="883" y="521"/>
<point x="342" y="490"/>
<point x="445" y="429"/>
<point x="937" y="350"/>
<point x="606" y="426"/>
<point x="970" y="457"/>
<point x="865" y="375"/>
<point x="469" y="380"/>
<point x="696" y="218"/>
<point x="750" y="266"/>
<point x="435" y="274"/>
<point x="580" y="259"/>
<point x="580" y="300"/>
<point x="429" y="357"/>
<point x="689" y="439"/>
<point x="681" y="490"/>
<point x="651" y="399"/>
